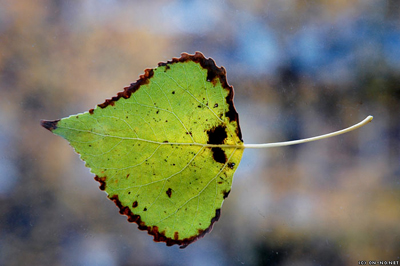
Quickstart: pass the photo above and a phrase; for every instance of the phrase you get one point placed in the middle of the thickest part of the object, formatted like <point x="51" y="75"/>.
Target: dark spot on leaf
<point x="217" y="135"/>
<point x="157" y="111"/>
<point x="165" y="141"/>
<point x="219" y="155"/>
<point x="173" y="92"/>
<point x="91" y="111"/>
<point x="102" y="181"/>
<point x="231" y="165"/>
<point x="176" y="235"/>
<point x="216" y="105"/>
<point x="169" y="192"/>
<point x="135" y="204"/>
<point x="145" y="209"/>
<point x="127" y="175"/>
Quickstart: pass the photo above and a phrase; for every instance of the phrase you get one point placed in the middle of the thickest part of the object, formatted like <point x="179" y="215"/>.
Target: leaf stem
<point x="293" y="142"/>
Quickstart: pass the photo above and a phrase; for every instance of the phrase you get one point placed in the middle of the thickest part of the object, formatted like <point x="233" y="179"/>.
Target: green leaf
<point x="157" y="148"/>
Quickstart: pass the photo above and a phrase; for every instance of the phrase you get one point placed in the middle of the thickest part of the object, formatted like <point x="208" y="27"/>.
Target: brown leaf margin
<point x="160" y="236"/>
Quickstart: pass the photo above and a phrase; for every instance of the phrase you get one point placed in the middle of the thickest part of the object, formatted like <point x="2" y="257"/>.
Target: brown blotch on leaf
<point x="153" y="230"/>
<point x="102" y="181"/>
<point x="217" y="135"/>
<point x="219" y="155"/>
<point x="91" y="111"/>
<point x="232" y="115"/>
<point x="135" y="204"/>
<point x="169" y="192"/>
<point x="49" y="125"/>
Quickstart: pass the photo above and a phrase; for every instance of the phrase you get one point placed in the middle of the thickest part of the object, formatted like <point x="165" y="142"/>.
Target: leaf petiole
<point x="293" y="142"/>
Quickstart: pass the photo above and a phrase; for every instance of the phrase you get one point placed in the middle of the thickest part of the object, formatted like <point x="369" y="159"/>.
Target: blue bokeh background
<point x="299" y="69"/>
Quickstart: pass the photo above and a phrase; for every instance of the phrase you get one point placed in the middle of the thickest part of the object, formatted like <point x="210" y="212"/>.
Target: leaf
<point x="156" y="147"/>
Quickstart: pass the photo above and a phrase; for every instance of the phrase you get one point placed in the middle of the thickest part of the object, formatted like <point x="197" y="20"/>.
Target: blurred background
<point x="299" y="69"/>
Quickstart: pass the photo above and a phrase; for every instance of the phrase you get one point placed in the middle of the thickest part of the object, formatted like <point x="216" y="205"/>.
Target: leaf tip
<point x="49" y="125"/>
